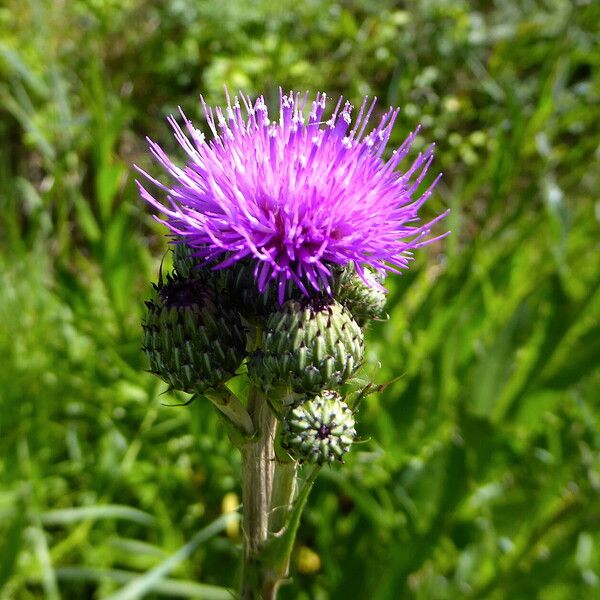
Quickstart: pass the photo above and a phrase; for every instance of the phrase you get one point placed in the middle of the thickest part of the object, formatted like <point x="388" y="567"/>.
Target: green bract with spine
<point x="239" y="283"/>
<point x="192" y="343"/>
<point x="363" y="301"/>
<point x="308" y="344"/>
<point x="236" y="283"/>
<point x="185" y="263"/>
<point x="319" y="430"/>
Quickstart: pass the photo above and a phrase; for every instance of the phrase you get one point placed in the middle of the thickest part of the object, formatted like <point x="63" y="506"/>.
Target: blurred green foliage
<point x="479" y="471"/>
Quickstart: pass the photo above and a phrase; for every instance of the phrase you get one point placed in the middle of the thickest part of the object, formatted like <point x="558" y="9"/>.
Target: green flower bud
<point x="191" y="343"/>
<point x="363" y="301"/>
<point x="319" y="430"/>
<point x="309" y="345"/>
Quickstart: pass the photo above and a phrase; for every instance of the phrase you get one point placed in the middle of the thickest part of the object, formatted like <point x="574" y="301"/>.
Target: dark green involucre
<point x="185" y="263"/>
<point x="319" y="430"/>
<point x="363" y="301"/>
<point x="308" y="345"/>
<point x="236" y="284"/>
<point x="239" y="283"/>
<point x="192" y="342"/>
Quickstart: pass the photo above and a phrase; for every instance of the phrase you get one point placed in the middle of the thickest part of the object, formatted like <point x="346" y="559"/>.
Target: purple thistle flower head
<point x="297" y="195"/>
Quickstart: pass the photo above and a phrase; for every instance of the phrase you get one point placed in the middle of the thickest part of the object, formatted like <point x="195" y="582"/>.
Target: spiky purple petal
<point x="295" y="194"/>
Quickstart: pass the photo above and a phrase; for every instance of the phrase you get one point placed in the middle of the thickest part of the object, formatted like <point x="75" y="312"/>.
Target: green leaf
<point x="86" y="219"/>
<point x="66" y="516"/>
<point x="172" y="588"/>
<point x="146" y="583"/>
<point x="275" y="555"/>
<point x="10" y="547"/>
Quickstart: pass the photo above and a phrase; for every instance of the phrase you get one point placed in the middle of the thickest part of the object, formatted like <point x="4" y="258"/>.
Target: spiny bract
<point x="236" y="284"/>
<point x="365" y="302"/>
<point x="308" y="345"/>
<point x="319" y="430"/>
<point x="191" y="343"/>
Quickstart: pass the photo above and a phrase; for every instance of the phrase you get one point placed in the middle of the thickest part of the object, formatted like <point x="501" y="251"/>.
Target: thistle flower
<point x="296" y="195"/>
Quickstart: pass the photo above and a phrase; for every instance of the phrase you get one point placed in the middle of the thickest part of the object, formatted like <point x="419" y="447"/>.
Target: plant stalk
<point x="258" y="466"/>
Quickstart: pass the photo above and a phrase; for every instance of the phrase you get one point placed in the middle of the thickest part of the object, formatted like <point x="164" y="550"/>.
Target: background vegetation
<point x="479" y="471"/>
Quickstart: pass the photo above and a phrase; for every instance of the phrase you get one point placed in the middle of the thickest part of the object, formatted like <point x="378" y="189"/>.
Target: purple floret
<point x="295" y="195"/>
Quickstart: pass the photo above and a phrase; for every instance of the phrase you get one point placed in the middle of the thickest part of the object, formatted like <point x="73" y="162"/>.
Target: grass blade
<point x="173" y="588"/>
<point x="66" y="516"/>
<point x="147" y="583"/>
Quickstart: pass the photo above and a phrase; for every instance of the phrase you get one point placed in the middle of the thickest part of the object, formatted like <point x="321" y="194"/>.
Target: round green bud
<point x="319" y="430"/>
<point x="191" y="342"/>
<point x="308" y="344"/>
<point x="362" y="300"/>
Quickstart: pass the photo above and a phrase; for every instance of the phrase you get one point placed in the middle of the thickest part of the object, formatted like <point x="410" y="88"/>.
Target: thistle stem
<point x="258" y="466"/>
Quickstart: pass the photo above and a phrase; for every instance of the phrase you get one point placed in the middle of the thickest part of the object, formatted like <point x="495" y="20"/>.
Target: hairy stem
<point x="258" y="465"/>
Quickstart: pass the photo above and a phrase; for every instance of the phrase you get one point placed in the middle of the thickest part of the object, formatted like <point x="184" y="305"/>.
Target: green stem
<point x="275" y="558"/>
<point x="284" y="491"/>
<point x="258" y="465"/>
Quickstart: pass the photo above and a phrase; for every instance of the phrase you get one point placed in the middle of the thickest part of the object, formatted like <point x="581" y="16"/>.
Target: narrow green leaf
<point x="275" y="556"/>
<point x="66" y="516"/>
<point x="172" y="588"/>
<point x="147" y="582"/>
<point x="10" y="546"/>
